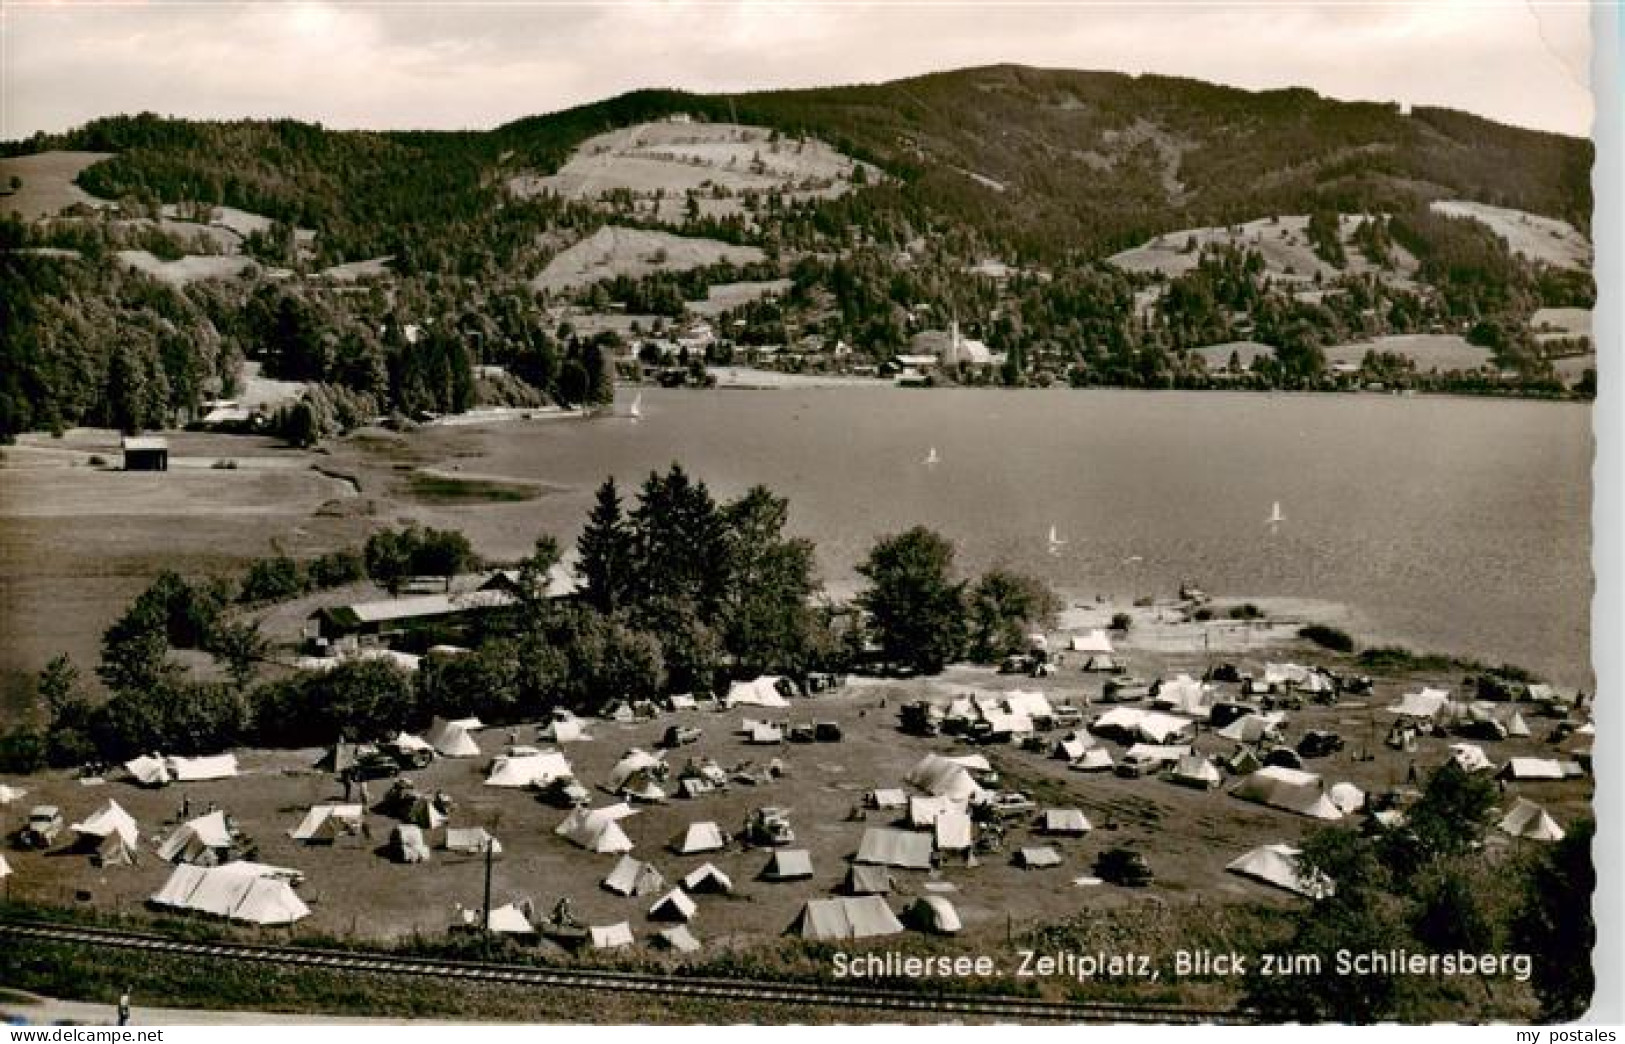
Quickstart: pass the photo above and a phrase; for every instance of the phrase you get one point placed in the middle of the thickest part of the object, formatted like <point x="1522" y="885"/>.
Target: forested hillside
<point x="1049" y="171"/>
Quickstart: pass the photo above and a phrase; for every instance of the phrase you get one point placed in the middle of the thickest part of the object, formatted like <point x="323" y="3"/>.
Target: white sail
<point x="932" y="458"/>
<point x="637" y="406"/>
<point x="1275" y="514"/>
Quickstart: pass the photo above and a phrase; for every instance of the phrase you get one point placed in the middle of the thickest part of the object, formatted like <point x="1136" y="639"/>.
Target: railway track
<point x="730" y="990"/>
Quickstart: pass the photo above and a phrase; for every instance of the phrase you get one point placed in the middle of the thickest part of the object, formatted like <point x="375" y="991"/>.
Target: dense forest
<point x="1051" y="171"/>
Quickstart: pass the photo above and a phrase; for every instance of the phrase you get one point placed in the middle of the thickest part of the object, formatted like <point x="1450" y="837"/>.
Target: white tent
<point x="682" y="702"/>
<point x="1122" y="722"/>
<point x="509" y="920"/>
<point x="1470" y="758"/>
<point x="1073" y="746"/>
<point x="933" y="913"/>
<point x="1028" y="704"/>
<point x="1424" y="704"/>
<point x="1252" y="728"/>
<point x="707" y="878"/>
<point x="1165" y="728"/>
<point x="471" y="841"/>
<point x="941" y="777"/>
<point x="1184" y="695"/>
<point x="1278" y="865"/>
<point x="598" y="829"/>
<point x="764" y="734"/>
<point x="109" y="820"/>
<point x="788" y="864"/>
<point x="637" y="775"/>
<point x="758" y="692"/>
<point x="1532" y="769"/>
<point x="1161" y="755"/>
<point x="148" y="770"/>
<point x="888" y="798"/>
<point x="406" y="742"/>
<point x="1067" y="822"/>
<point x="858" y="917"/>
<point x="679" y="938"/>
<point x="196" y="770"/>
<point x="526" y="770"/>
<point x="610" y="936"/>
<point x="1193" y="770"/>
<point x="564" y="732"/>
<point x="697" y="838"/>
<point x="1038" y="858"/>
<point x="451" y="738"/>
<point x="923" y="811"/>
<point x="954" y="832"/>
<point x="327" y="822"/>
<point x="5" y="868"/>
<point x="408" y="843"/>
<point x="1527" y="819"/>
<point x="634" y="877"/>
<point x="675" y="905"/>
<point x="1347" y="797"/>
<point x="197" y="841"/>
<point x="244" y="891"/>
<point x="1517" y="727"/>
<point x="1289" y="789"/>
<point x="1095" y="759"/>
<point x="883" y="846"/>
<point x="8" y="794"/>
<point x="1096" y="641"/>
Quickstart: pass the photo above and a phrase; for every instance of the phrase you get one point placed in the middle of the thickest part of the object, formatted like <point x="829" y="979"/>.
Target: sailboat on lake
<point x="1055" y="542"/>
<point x="1276" y="518"/>
<point x="635" y="411"/>
<point x="932" y="458"/>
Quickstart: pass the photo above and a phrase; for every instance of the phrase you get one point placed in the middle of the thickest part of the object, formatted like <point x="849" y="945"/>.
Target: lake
<point x="1453" y="524"/>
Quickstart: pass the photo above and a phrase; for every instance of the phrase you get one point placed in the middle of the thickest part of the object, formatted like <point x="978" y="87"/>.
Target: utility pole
<point x="485" y="910"/>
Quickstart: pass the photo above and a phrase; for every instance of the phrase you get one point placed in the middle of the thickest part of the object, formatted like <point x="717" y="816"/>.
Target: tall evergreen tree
<point x="605" y="547"/>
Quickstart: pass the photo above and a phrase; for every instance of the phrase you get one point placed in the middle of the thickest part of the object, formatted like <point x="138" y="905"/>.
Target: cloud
<point x="472" y="63"/>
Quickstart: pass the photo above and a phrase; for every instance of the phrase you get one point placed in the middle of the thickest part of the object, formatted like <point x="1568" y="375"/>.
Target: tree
<point x="271" y="580"/>
<point x="135" y="646"/>
<point x="389" y="558"/>
<point x="677" y="545"/>
<point x="1555" y="925"/>
<point x="240" y="646"/>
<point x="605" y="547"/>
<point x="766" y="619"/>
<point x="916" y="610"/>
<point x="1004" y="607"/>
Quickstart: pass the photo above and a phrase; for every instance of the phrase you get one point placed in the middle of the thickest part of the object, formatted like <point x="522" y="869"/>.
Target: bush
<point x="1328" y="637"/>
<point x="224" y="464"/>
<point x="22" y="752"/>
<point x="271" y="580"/>
<point x="1202" y="615"/>
<point x="1248" y="611"/>
<point x="1122" y="621"/>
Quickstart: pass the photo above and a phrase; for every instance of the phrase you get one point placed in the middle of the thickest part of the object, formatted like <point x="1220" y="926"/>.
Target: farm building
<point x="349" y="627"/>
<point x="145" y="453"/>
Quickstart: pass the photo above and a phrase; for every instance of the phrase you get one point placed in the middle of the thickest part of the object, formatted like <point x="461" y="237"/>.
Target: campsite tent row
<point x="155" y="770"/>
<point x="945" y="777"/>
<point x="249" y="892"/>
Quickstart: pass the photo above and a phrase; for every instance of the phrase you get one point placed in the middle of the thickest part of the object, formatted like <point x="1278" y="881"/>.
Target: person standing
<point x="124" y="1007"/>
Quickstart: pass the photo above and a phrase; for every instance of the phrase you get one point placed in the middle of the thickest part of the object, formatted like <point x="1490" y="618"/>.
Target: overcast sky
<point x="477" y="64"/>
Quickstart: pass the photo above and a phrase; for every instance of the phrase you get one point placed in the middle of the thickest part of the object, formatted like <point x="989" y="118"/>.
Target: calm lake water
<point x="1461" y="525"/>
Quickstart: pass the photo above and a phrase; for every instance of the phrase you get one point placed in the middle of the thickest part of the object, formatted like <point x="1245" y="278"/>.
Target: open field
<point x="724" y="296"/>
<point x="1282" y="241"/>
<point x="47" y="183"/>
<point x="1535" y="237"/>
<point x="1247" y="353"/>
<point x="188" y="269"/>
<point x="613" y="251"/>
<point x="1187" y="835"/>
<point x="661" y="163"/>
<point x="749" y="377"/>
<point x="1553" y="323"/>
<point x="1428" y="351"/>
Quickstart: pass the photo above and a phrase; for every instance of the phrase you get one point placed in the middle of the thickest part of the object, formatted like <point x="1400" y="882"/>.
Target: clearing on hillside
<point x="613" y="251"/>
<point x="47" y="183"/>
<point x="1536" y="238"/>
<point x="190" y="268"/>
<point x="661" y="163"/>
<point x="1442" y="352"/>
<point x="1282" y="241"/>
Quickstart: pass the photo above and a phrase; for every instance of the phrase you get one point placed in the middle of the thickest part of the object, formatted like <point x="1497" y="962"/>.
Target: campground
<point x="1188" y="836"/>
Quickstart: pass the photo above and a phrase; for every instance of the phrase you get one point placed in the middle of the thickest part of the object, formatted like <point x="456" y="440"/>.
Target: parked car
<point x="564" y="792"/>
<point x="1224" y="713"/>
<point x="1123" y="866"/>
<point x="769" y="826"/>
<point x="920" y="719"/>
<point x="409" y="757"/>
<point x="1283" y="757"/>
<point x="1066" y="716"/>
<point x="1008" y="804"/>
<point x="374" y="764"/>
<point x="802" y="733"/>
<point x="1319" y="743"/>
<point x="677" y="735"/>
<point x="44" y="824"/>
<point x="827" y="732"/>
<point x="1133" y="766"/>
